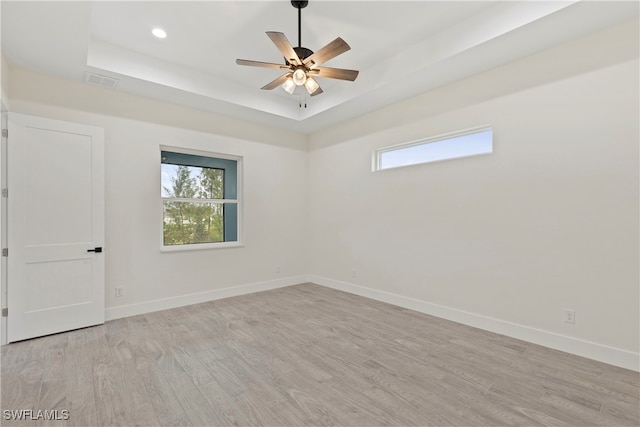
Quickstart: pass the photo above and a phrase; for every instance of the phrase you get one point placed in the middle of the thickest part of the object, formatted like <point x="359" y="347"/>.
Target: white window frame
<point x="377" y="154"/>
<point x="238" y="201"/>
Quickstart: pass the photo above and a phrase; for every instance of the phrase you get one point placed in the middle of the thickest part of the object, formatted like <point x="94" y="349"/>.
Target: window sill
<point x="200" y="246"/>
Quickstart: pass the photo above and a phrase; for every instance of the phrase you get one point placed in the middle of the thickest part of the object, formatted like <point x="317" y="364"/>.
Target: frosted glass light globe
<point x="289" y="86"/>
<point x="299" y="77"/>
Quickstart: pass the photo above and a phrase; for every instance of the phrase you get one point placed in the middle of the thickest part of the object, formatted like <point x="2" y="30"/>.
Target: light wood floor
<point x="307" y="355"/>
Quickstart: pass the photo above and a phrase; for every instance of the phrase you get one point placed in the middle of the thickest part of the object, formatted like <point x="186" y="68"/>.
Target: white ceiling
<point x="402" y="48"/>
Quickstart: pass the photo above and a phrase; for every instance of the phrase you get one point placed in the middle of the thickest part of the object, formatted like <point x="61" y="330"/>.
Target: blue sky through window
<point x="166" y="172"/>
<point x="469" y="144"/>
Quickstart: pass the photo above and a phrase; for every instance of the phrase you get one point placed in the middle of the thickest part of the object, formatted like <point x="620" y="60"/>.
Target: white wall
<point x="548" y="221"/>
<point x="4" y="81"/>
<point x="274" y="194"/>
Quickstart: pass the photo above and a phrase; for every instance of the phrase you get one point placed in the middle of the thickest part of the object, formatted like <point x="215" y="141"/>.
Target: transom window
<point x="466" y="143"/>
<point x="200" y="202"/>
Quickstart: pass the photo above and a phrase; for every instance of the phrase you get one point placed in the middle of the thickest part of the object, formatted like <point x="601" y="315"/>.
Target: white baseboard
<point x="117" y="312"/>
<point x="611" y="355"/>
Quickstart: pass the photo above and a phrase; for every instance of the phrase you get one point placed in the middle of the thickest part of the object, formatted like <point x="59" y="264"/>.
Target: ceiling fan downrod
<point x="299" y="5"/>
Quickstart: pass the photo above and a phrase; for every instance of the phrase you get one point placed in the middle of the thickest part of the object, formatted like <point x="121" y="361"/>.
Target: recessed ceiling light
<point x="159" y="33"/>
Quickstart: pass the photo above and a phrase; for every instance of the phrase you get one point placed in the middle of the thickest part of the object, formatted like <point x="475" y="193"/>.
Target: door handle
<point x="96" y="250"/>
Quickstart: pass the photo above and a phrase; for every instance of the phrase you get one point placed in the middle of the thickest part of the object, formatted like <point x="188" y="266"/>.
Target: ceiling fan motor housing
<point x="302" y="53"/>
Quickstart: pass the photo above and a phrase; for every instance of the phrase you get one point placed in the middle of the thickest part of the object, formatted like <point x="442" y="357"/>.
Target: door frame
<point x="3" y="226"/>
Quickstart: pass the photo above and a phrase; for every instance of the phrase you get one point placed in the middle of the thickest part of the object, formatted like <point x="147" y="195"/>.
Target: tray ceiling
<point x="402" y="48"/>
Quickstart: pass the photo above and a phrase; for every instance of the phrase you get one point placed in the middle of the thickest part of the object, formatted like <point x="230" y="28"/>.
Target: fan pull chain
<point x="305" y="101"/>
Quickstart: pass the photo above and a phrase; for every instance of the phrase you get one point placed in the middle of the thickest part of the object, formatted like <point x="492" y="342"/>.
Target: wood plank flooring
<point x="307" y="356"/>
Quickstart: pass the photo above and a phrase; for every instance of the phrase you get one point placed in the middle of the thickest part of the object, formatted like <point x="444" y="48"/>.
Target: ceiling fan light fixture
<point x="311" y="85"/>
<point x="299" y="76"/>
<point x="289" y="85"/>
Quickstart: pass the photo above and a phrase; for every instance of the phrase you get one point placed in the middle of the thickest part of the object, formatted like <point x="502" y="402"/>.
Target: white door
<point x="56" y="225"/>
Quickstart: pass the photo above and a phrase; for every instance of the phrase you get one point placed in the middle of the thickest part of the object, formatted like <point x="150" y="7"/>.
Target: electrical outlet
<point x="278" y="269"/>
<point x="119" y="292"/>
<point x="353" y="273"/>
<point x="569" y="316"/>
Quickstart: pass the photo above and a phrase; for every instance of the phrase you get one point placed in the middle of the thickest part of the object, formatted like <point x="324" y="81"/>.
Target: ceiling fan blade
<point x="327" y="52"/>
<point x="260" y="64"/>
<point x="334" y="73"/>
<point x="277" y="82"/>
<point x="283" y="45"/>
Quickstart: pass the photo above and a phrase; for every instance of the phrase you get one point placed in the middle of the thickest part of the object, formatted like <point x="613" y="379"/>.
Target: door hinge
<point x="5" y="312"/>
<point x="5" y="192"/>
<point x="5" y="133"/>
<point x="5" y="251"/>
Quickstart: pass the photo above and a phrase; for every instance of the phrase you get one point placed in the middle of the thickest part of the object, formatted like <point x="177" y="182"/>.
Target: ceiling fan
<point x="302" y="64"/>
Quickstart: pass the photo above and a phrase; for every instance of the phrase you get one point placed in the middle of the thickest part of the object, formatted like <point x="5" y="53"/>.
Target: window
<point x="200" y="202"/>
<point x="467" y="143"/>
